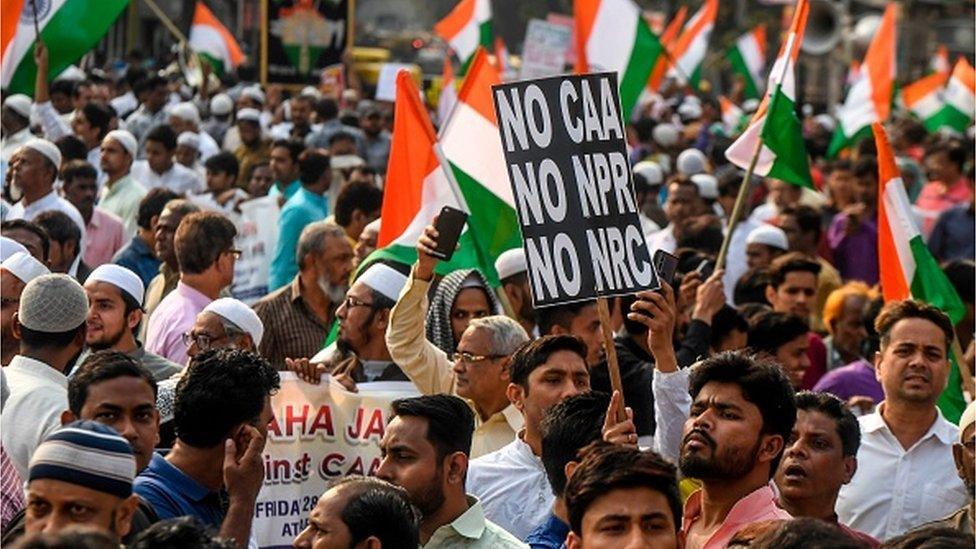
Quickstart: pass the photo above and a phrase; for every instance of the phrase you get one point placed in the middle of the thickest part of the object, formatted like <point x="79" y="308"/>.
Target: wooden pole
<point x="739" y="207"/>
<point x="37" y="28"/>
<point x="612" y="365"/>
<point x="167" y="22"/>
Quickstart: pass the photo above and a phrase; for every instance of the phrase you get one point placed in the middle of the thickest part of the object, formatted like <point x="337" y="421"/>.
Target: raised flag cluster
<point x="959" y="99"/>
<point x="748" y="60"/>
<point x="668" y="37"/>
<point x="467" y="27"/>
<point x="690" y="48"/>
<point x="212" y="41"/>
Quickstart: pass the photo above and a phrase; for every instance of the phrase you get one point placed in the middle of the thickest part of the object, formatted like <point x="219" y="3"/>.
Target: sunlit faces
<point x="913" y="365"/>
<point x="813" y="465"/>
<point x="563" y="375"/>
<point x="627" y="518"/>
<point x="795" y="295"/>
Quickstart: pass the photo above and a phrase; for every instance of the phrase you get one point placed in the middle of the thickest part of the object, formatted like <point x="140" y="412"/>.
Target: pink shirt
<point x="173" y="317"/>
<point x="106" y="235"/>
<point x="758" y="506"/>
<point x="935" y="199"/>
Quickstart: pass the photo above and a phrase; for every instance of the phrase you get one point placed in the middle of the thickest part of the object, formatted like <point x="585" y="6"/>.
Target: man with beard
<point x="425" y="451"/>
<point x="15" y="273"/>
<point x="963" y="455"/>
<point x="299" y="315"/>
<point x="741" y="415"/>
<point x="906" y="476"/>
<point x="820" y="457"/>
<point x="164" y="232"/>
<point x="114" y="314"/>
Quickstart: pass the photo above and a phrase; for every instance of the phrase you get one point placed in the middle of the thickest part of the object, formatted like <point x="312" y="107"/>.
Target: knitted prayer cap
<point x="86" y="453"/>
<point x="53" y="303"/>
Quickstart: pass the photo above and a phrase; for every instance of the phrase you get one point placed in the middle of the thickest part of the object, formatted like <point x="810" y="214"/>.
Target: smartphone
<point x="705" y="268"/>
<point x="449" y="225"/>
<point x="664" y="265"/>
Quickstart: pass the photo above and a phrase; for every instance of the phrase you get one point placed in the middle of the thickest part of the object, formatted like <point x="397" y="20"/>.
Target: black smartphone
<point x="664" y="265"/>
<point x="449" y="225"/>
<point x="705" y="268"/>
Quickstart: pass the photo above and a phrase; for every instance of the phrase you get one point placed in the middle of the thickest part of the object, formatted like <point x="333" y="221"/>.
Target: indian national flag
<point x="748" y="59"/>
<point x="448" y="95"/>
<point x="417" y="187"/>
<point x="467" y="27"/>
<point x="211" y="39"/>
<point x="732" y="115"/>
<point x="869" y="99"/>
<point x="924" y="98"/>
<point x="611" y="35"/>
<point x="907" y="267"/>
<point x="960" y="98"/>
<point x="472" y="146"/>
<point x="775" y="130"/>
<point x="668" y="38"/>
<point x="501" y="57"/>
<point x="690" y="49"/>
<point x="69" y="29"/>
<point x="940" y="60"/>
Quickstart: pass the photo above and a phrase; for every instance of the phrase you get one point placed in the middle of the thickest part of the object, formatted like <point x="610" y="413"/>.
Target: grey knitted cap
<point x="53" y="303"/>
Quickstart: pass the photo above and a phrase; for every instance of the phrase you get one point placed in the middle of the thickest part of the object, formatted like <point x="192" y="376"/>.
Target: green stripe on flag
<point x="68" y="35"/>
<point x="493" y="224"/>
<point x="951" y="117"/>
<point x="215" y="63"/>
<point x="840" y="141"/>
<point x="485" y="39"/>
<point x="751" y="90"/>
<point x="782" y="133"/>
<point x="643" y="56"/>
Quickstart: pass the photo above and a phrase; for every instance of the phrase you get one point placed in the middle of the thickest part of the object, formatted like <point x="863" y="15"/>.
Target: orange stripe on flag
<point x="797" y="27"/>
<point x="964" y="73"/>
<point x="459" y="17"/>
<point x="759" y="33"/>
<point x="8" y="23"/>
<point x="667" y="37"/>
<point x="893" y="283"/>
<point x="476" y="89"/>
<point x="880" y="61"/>
<point x="584" y="15"/>
<point x="412" y="159"/>
<point x="709" y="12"/>
<point x="203" y="16"/>
<point x="923" y="87"/>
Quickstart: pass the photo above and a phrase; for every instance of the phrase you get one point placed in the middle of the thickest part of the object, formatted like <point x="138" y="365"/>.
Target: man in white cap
<point x="648" y="178"/>
<point x="15" y="119"/>
<point x="225" y="322"/>
<point x="300" y="314"/>
<point x="691" y="161"/>
<point x="15" y="272"/>
<point x="253" y="148"/>
<point x="115" y="295"/>
<point x="120" y="194"/>
<point x="299" y="124"/>
<point x="35" y="170"/>
<point x="708" y="191"/>
<point x="221" y="107"/>
<point x="764" y="244"/>
<point x="188" y="152"/>
<point x="50" y="324"/>
<point x="9" y="247"/>
<point x="184" y="117"/>
<point x="159" y="169"/>
<point x="964" y="454"/>
<point x="513" y="273"/>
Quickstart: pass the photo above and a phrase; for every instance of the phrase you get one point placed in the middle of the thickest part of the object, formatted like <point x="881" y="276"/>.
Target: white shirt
<point x="50" y="201"/>
<point x="38" y="395"/>
<point x="512" y="487"/>
<point x="208" y="146"/>
<point x="662" y="240"/>
<point x="895" y="490"/>
<point x="735" y="260"/>
<point x="672" y="404"/>
<point x="178" y="178"/>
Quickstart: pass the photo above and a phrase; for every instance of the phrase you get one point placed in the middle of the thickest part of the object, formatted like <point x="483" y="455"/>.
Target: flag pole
<point x="37" y="28"/>
<point x="613" y="366"/>
<point x="167" y="22"/>
<point x="739" y="207"/>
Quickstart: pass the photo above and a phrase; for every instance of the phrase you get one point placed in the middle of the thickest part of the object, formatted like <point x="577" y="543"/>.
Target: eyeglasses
<point x="464" y="356"/>
<point x="351" y="302"/>
<point x="203" y="341"/>
<point x="234" y="252"/>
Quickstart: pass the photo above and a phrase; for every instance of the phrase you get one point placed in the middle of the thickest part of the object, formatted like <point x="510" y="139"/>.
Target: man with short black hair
<point x="802" y="225"/>
<point x="283" y="159"/>
<point x="29" y="235"/>
<point x="425" y="450"/>
<point x="579" y="319"/>
<point x="106" y="234"/>
<point x="782" y="338"/>
<point x="683" y="203"/>
<point x="357" y="205"/>
<point x="66" y="244"/>
<point x="853" y="233"/>
<point x="906" y="474"/>
<point x="139" y="255"/>
<point x="159" y="169"/>
<point x="164" y="236"/>
<point x="307" y="204"/>
<point x="151" y="112"/>
<point x="792" y="289"/>
<point x="232" y="389"/>
<point x="222" y="194"/>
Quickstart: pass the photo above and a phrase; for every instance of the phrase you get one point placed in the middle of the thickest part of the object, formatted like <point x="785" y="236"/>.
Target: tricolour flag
<point x="473" y="148"/>
<point x="923" y="98"/>
<point x="668" y="38"/>
<point x="732" y="115"/>
<point x="748" y="59"/>
<point x="907" y="267"/>
<point x="501" y="57"/>
<point x="211" y="40"/>
<point x="611" y="35"/>
<point x="959" y="99"/>
<point x="869" y="99"/>
<point x="417" y="187"/>
<point x="940" y="60"/>
<point x="775" y="128"/>
<point x="69" y="29"/>
<point x="467" y="27"/>
<point x="690" y="48"/>
<point x="448" y="95"/>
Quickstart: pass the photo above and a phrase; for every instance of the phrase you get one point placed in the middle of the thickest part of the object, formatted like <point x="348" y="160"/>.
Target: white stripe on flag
<point x="474" y="144"/>
<point x="204" y="38"/>
<point x="902" y="225"/>
<point x="24" y="39"/>
<point x="612" y="37"/>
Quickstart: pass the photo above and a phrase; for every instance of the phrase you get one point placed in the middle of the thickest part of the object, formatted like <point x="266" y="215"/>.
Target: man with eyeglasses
<point x="204" y="249"/>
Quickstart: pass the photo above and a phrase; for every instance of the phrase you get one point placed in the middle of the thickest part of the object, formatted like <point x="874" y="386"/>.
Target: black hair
<point x="103" y="366"/>
<point x="225" y="386"/>
<point x="34" y="339"/>
<point x="751" y="287"/>
<point x="361" y="196"/>
<point x="771" y="330"/>
<point x="326" y="108"/>
<point x="841" y="164"/>
<point x="164" y="135"/>
<point x="955" y="153"/>
<point x="294" y="147"/>
<point x="75" y="169"/>
<point x="762" y="383"/>
<point x="702" y="233"/>
<point x="535" y="353"/>
<point x="311" y="165"/>
<point x="71" y="148"/>
<point x="62" y="86"/>
<point x="222" y="162"/>
<point x="807" y="218"/>
<point x="895" y="311"/>
<point x="180" y="533"/>
<point x="152" y="205"/>
<point x="568" y="427"/>
<point x="200" y="239"/>
<point x="450" y="422"/>
<point x="807" y="533"/>
<point x="728" y="182"/>
<point x="608" y="467"/>
<point x="962" y="274"/>
<point x="866" y="167"/>
<point x="341" y="134"/>
<point x="72" y="538"/>
<point x="60" y="228"/>
<point x="380" y="509"/>
<point x="31" y="227"/>
<point x="98" y="116"/>
<point x="559" y="315"/>
<point x="724" y="322"/>
<point x="827" y="404"/>
<point x="750" y="311"/>
<point x="931" y="536"/>
<point x="789" y="263"/>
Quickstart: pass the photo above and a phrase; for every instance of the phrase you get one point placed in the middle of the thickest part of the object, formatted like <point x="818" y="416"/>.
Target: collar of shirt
<point x="521" y="451"/>
<point x="177" y="480"/>
<point x="748" y="509"/>
<point x="36" y="368"/>
<point x="940" y="428"/>
<point x="471" y="523"/>
<point x="314" y="198"/>
<point x="510" y="415"/>
<point x="289" y="189"/>
<point x="192" y="295"/>
<point x="296" y="290"/>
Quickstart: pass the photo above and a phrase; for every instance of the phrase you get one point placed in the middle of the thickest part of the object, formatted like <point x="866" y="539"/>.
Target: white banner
<point x="257" y="235"/>
<point x="544" y="50"/>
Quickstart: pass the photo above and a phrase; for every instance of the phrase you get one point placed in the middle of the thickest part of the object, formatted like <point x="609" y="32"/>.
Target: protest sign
<point x="319" y="433"/>
<point x="563" y="139"/>
<point x="544" y="50"/>
<point x="386" y="82"/>
<point x="257" y="236"/>
<point x="300" y="39"/>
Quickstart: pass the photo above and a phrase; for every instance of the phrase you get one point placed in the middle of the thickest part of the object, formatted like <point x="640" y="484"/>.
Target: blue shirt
<point x="953" y="236"/>
<point x="551" y="534"/>
<point x="138" y="258"/>
<point x="173" y="494"/>
<point x="301" y="209"/>
<point x="289" y="191"/>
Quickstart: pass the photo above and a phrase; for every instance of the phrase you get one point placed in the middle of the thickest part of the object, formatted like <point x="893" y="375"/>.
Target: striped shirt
<point x="292" y="330"/>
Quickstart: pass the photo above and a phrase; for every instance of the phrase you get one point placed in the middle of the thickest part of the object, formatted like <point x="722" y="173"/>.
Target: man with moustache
<point x="169" y="269"/>
<point x="15" y="273"/>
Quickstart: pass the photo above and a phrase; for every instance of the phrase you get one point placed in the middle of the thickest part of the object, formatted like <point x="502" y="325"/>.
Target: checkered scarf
<point x="439" y="330"/>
